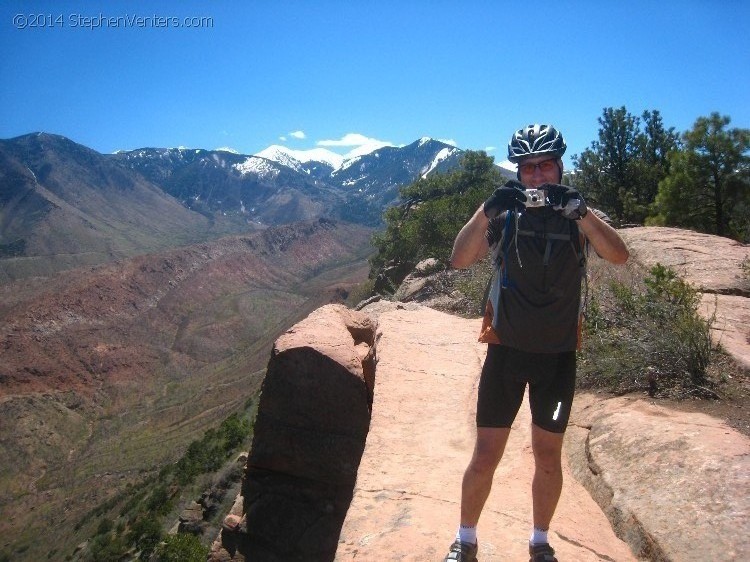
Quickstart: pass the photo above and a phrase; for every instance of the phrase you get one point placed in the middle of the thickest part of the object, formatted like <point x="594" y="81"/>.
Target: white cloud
<point x="352" y="139"/>
<point x="360" y="144"/>
<point x="490" y="148"/>
<point x="282" y="138"/>
<point x="297" y="134"/>
<point x="449" y="141"/>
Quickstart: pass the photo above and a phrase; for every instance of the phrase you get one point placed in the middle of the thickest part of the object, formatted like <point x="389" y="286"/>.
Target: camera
<point x="535" y="198"/>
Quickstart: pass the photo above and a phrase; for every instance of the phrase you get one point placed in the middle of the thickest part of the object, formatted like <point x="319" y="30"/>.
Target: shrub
<point x="159" y="501"/>
<point x="473" y="284"/>
<point x="643" y="332"/>
<point x="145" y="534"/>
<point x="181" y="548"/>
<point x="107" y="547"/>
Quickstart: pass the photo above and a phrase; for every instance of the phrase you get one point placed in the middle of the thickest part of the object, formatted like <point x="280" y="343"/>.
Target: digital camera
<point x="535" y="198"/>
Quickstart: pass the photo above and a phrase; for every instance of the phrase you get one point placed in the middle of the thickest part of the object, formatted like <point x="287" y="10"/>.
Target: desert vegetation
<point x="134" y="524"/>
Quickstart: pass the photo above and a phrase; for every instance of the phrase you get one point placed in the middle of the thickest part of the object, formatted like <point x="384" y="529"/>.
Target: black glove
<point x="510" y="196"/>
<point x="566" y="200"/>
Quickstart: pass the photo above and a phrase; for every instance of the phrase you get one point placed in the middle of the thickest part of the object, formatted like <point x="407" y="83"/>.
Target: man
<point x="538" y="242"/>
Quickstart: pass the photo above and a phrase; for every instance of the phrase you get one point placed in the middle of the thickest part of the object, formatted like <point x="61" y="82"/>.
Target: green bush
<point x="431" y="214"/>
<point x="209" y="453"/>
<point x="644" y="333"/>
<point x="159" y="501"/>
<point x="145" y="534"/>
<point x="105" y="526"/>
<point x="107" y="548"/>
<point x="181" y="548"/>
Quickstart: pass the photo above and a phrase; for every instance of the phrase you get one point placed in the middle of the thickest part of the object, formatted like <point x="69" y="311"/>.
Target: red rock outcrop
<point x="313" y="419"/>
<point x="673" y="484"/>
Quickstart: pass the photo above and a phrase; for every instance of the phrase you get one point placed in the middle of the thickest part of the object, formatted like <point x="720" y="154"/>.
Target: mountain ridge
<point x="64" y="205"/>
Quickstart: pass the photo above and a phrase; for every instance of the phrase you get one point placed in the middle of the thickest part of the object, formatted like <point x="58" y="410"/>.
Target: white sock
<point x="538" y="536"/>
<point x="467" y="534"/>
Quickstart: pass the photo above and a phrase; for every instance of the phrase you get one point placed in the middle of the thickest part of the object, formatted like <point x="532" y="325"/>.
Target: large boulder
<point x="312" y="423"/>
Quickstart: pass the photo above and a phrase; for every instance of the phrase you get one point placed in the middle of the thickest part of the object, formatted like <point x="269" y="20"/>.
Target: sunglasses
<point x="544" y="166"/>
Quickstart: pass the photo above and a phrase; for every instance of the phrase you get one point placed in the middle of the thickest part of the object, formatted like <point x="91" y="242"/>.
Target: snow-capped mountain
<point x="279" y="184"/>
<point x="296" y="158"/>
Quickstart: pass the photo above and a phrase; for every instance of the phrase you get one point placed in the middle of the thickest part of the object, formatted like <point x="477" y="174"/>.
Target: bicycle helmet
<point x="535" y="140"/>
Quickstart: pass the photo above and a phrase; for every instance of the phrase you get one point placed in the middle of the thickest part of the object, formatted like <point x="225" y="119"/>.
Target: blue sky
<point x="256" y="71"/>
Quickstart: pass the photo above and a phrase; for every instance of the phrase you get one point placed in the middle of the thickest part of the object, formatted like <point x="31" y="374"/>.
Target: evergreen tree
<point x="650" y="166"/>
<point x="432" y="212"/>
<point x="621" y="171"/>
<point x="708" y="186"/>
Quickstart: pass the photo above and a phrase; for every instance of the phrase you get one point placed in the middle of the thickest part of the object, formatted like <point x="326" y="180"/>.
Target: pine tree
<point x="621" y="171"/>
<point x="432" y="212"/>
<point x="708" y="186"/>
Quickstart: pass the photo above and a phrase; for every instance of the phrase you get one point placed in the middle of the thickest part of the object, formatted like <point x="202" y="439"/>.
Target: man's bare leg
<point x="547" y="483"/>
<point x="477" y="481"/>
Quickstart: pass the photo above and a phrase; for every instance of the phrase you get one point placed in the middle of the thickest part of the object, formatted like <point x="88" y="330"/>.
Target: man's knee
<point x="547" y="447"/>
<point x="484" y="462"/>
<point x="488" y="449"/>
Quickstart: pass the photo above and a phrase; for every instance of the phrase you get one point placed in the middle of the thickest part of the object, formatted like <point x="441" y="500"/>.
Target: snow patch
<point x="258" y="166"/>
<point x="349" y="163"/>
<point x="443" y="154"/>
<point x="365" y="149"/>
<point x="281" y="155"/>
<point x="295" y="158"/>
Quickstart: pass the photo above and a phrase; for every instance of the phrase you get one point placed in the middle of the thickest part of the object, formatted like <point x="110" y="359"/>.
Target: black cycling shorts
<point x="506" y="372"/>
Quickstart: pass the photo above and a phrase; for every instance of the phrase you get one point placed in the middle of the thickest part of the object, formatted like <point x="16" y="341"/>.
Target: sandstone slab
<point x="406" y="500"/>
<point x="674" y="484"/>
<point x="313" y="418"/>
<point x="730" y="327"/>
<point x="708" y="262"/>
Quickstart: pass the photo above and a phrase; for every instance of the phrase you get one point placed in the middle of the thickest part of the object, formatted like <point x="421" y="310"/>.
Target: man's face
<point x="538" y="170"/>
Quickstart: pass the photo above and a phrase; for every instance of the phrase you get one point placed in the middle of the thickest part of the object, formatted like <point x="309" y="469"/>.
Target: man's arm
<point x="605" y="240"/>
<point x="471" y="244"/>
